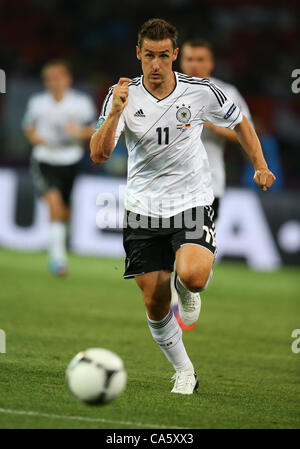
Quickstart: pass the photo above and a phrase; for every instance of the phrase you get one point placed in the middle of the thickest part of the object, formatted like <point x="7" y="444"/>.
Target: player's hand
<point x="264" y="178"/>
<point x="38" y="140"/>
<point x="72" y="130"/>
<point x="120" y="97"/>
<point x="33" y="137"/>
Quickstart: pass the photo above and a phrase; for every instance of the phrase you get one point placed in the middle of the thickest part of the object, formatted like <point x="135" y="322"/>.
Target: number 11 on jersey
<point x="159" y="137"/>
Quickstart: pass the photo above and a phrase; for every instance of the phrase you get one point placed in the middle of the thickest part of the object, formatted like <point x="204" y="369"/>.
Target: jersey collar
<point x="64" y="98"/>
<point x="152" y="97"/>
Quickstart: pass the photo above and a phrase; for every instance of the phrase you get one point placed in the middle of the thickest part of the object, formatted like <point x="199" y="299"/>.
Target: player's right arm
<point x="102" y="142"/>
<point x="32" y="136"/>
<point x="29" y="122"/>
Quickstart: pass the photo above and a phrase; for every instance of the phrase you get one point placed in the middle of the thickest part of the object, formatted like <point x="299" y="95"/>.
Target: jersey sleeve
<point x="106" y="108"/>
<point x="31" y="114"/>
<point x="221" y="110"/>
<point x="239" y="100"/>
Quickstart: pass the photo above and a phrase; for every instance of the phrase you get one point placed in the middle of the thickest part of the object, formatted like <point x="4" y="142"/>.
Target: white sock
<point x="179" y="283"/>
<point x="168" y="335"/>
<point x="57" y="243"/>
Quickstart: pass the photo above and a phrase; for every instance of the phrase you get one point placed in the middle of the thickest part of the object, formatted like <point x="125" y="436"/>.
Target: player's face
<point x="197" y="61"/>
<point x="157" y="58"/>
<point x="57" y="79"/>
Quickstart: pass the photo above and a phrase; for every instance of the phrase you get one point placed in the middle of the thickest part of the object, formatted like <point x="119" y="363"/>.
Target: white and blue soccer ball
<point x="96" y="376"/>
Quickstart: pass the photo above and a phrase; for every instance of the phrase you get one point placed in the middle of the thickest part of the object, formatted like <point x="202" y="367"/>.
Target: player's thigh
<point x="68" y="175"/>
<point x="194" y="245"/>
<point x="155" y="283"/>
<point x="48" y="181"/>
<point x="57" y="207"/>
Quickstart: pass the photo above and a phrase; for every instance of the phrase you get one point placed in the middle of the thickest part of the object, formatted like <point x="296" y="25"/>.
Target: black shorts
<point x="61" y="177"/>
<point x="216" y="206"/>
<point x="150" y="248"/>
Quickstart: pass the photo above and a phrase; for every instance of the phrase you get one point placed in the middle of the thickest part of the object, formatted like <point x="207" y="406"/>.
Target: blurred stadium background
<point x="256" y="45"/>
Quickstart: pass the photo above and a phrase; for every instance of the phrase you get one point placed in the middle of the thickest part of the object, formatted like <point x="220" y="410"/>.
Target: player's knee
<point x="195" y="281"/>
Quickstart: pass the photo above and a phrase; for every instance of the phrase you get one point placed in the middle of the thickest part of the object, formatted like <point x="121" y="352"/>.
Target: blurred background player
<point x="56" y="123"/>
<point x="197" y="59"/>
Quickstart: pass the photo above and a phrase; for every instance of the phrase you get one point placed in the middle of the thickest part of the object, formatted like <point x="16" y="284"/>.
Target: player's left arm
<point x="228" y="134"/>
<point x="248" y="139"/>
<point x="222" y="111"/>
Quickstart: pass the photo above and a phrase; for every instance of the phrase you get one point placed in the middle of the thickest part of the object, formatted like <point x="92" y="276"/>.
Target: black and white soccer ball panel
<point x="96" y="376"/>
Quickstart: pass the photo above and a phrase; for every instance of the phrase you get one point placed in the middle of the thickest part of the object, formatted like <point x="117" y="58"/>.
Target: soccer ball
<point x="96" y="376"/>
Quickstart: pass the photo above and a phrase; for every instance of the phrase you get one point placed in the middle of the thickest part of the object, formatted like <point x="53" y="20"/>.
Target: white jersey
<point x="215" y="144"/>
<point x="50" y="118"/>
<point x="168" y="170"/>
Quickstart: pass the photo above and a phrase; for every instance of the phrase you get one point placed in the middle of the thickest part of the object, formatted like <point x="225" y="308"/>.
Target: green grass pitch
<point x="241" y="348"/>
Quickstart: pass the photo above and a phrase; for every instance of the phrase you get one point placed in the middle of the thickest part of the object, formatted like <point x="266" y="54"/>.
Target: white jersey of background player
<point x="56" y="122"/>
<point x="52" y="120"/>
<point x="197" y="60"/>
<point x="215" y="144"/>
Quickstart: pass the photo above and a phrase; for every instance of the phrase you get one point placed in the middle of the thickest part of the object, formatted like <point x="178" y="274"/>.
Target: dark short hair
<point x="197" y="42"/>
<point x="57" y="62"/>
<point x="157" y="30"/>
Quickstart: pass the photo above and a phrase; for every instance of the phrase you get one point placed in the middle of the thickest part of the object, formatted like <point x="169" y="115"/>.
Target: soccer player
<point x="56" y="123"/>
<point x="169" y="193"/>
<point x="197" y="59"/>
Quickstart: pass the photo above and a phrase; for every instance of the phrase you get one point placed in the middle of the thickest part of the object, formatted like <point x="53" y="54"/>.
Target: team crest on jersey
<point x="183" y="115"/>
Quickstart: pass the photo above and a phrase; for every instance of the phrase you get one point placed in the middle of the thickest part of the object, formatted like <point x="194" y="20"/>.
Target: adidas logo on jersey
<point x="139" y="113"/>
